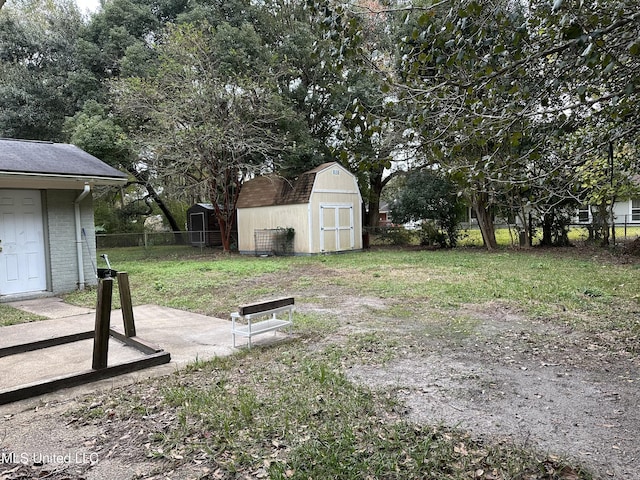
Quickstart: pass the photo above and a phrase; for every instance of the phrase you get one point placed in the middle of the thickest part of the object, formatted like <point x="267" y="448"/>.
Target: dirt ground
<point x="503" y="377"/>
<point x="532" y="383"/>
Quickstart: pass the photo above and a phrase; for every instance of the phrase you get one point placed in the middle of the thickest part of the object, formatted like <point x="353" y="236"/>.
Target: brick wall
<point x="62" y="240"/>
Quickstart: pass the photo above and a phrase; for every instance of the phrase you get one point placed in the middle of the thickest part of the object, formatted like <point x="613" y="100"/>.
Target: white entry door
<point x="336" y="228"/>
<point x="22" y="257"/>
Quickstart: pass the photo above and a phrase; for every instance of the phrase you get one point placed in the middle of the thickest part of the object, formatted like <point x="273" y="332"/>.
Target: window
<point x="584" y="214"/>
<point x="635" y="210"/>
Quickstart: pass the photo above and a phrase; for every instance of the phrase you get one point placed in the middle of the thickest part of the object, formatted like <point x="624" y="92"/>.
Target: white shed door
<point x="22" y="257"/>
<point x="336" y="228"/>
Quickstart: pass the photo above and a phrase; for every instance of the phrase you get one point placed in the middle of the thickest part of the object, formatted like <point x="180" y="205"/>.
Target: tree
<point x="98" y="133"/>
<point x="481" y="80"/>
<point x="369" y="121"/>
<point x="43" y="77"/>
<point x="471" y="128"/>
<point x="117" y="27"/>
<point x="212" y="115"/>
<point x="428" y="196"/>
<point x="609" y="173"/>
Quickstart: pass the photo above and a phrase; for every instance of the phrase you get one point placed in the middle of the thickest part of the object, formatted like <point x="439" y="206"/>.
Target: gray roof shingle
<point x="47" y="158"/>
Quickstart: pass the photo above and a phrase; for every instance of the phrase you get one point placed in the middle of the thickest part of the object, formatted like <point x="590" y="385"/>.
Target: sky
<point x="88" y="6"/>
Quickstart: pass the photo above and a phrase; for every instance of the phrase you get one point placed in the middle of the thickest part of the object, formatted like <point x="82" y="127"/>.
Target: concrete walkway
<point x="186" y="336"/>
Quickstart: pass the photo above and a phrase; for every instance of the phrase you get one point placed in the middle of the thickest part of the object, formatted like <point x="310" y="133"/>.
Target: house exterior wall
<point x="61" y="229"/>
<point x="626" y="212"/>
<point x="279" y="216"/>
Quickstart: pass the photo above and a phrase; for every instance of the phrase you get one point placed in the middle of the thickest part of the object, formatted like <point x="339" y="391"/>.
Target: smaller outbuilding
<point x="319" y="212"/>
<point x="203" y="227"/>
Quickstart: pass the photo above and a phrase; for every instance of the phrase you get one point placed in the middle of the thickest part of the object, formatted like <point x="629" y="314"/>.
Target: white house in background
<point x="323" y="207"/>
<point x="626" y="212"/>
<point x="47" y="233"/>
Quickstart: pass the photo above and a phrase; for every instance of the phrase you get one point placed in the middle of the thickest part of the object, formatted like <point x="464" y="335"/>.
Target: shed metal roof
<point x="37" y="159"/>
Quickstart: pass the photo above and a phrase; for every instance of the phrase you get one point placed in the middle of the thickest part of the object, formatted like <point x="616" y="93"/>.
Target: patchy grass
<point x="13" y="316"/>
<point x="591" y="290"/>
<point x="284" y="412"/>
<point x="289" y="410"/>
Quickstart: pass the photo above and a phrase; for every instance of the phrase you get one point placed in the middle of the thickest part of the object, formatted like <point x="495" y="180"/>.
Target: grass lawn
<point x="505" y="237"/>
<point x="570" y="285"/>
<point x="290" y="410"/>
<point x="13" y="316"/>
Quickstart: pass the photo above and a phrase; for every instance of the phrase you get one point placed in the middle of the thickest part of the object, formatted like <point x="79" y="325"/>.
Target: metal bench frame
<point x="243" y="322"/>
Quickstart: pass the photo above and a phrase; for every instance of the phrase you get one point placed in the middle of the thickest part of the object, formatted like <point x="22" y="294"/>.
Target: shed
<point x="322" y="207"/>
<point x="47" y="233"/>
<point x="203" y="227"/>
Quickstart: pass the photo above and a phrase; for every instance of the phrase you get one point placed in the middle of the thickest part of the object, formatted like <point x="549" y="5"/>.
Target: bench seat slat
<point x="258" y="311"/>
<point x="264" y="306"/>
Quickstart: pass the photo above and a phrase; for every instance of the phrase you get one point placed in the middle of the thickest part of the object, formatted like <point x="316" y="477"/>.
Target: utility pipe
<point x="76" y="206"/>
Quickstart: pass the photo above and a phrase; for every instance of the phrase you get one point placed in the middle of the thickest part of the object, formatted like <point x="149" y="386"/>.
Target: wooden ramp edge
<point x="22" y="392"/>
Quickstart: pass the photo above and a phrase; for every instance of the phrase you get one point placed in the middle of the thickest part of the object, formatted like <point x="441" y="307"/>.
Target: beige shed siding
<point x="336" y="190"/>
<point x="285" y="216"/>
<point x="340" y="181"/>
<point x="336" y="187"/>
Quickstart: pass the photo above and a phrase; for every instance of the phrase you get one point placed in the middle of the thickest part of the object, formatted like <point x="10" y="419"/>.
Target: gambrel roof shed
<point x="47" y="233"/>
<point x="322" y="205"/>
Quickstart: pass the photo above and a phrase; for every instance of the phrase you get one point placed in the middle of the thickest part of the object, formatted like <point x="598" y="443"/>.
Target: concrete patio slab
<point x="50" y="307"/>
<point x="186" y="336"/>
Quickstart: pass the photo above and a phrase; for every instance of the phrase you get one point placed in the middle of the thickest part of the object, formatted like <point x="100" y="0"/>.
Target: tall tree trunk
<point x="376" y="185"/>
<point x="224" y="203"/>
<point x="373" y="214"/>
<point x="601" y="221"/>
<point x="142" y="179"/>
<point x="526" y="227"/>
<point x="547" y="230"/>
<point x="485" y="220"/>
<point x="175" y="228"/>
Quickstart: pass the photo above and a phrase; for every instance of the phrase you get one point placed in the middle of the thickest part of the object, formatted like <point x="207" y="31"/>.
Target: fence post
<point x="103" y="318"/>
<point x="125" y="304"/>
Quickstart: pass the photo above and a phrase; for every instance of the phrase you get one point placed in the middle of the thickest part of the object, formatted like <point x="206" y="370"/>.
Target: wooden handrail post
<point x="103" y="318"/>
<point x="125" y="304"/>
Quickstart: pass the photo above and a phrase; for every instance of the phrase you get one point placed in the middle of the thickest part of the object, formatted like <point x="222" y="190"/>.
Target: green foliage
<point x="284" y="239"/>
<point x="213" y="114"/>
<point x="486" y="87"/>
<point x="398" y="236"/>
<point x="43" y="76"/>
<point x="432" y="199"/>
<point x="511" y="99"/>
<point x="96" y="132"/>
<point x="430" y="235"/>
